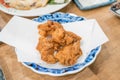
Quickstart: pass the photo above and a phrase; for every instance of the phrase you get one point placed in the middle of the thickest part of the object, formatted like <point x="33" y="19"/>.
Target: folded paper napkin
<point x="23" y="34"/>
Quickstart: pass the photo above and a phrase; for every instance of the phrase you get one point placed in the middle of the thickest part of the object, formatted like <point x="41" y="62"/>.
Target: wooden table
<point x="106" y="66"/>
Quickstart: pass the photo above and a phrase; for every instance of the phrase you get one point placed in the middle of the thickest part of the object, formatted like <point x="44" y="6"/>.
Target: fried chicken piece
<point x="70" y="37"/>
<point x="58" y="35"/>
<point x="69" y="54"/>
<point x="52" y="28"/>
<point x="45" y="29"/>
<point x="45" y="47"/>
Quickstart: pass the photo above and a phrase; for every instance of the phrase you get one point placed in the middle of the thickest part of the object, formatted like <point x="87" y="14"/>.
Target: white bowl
<point x="89" y="58"/>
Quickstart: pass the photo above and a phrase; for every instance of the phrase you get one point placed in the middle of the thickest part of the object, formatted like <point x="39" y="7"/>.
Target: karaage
<point x="69" y="54"/>
<point x="46" y="48"/>
<point x="57" y="44"/>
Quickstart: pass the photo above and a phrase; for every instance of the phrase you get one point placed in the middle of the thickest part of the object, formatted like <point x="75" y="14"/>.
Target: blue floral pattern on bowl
<point x="63" y="18"/>
<point x="59" y="17"/>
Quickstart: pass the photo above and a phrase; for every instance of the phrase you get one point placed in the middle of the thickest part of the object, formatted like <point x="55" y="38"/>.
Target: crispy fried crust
<point x="56" y="44"/>
<point x="69" y="54"/>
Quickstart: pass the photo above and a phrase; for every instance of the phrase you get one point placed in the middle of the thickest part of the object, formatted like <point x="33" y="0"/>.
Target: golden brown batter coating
<point x="56" y="44"/>
<point x="69" y="54"/>
<point x="46" y="48"/>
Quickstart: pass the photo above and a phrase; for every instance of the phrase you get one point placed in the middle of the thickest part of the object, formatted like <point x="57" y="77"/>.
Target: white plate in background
<point x="34" y="12"/>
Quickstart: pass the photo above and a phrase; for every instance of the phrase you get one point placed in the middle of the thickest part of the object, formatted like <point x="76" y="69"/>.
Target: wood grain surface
<point x="106" y="66"/>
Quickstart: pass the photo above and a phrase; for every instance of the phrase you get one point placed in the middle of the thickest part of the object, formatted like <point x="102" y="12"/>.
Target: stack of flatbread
<point x="26" y="4"/>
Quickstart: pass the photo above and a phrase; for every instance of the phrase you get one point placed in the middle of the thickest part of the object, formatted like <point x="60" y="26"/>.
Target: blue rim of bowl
<point x="63" y="18"/>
